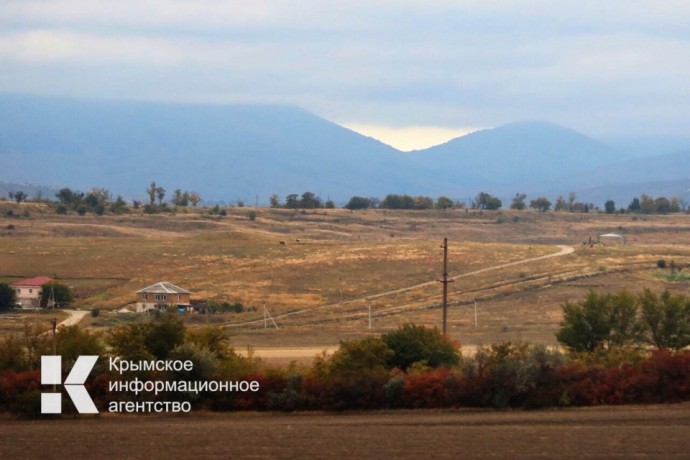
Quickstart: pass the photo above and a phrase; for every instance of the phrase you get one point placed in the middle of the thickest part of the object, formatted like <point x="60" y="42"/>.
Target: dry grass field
<point x="661" y="432"/>
<point x="318" y="271"/>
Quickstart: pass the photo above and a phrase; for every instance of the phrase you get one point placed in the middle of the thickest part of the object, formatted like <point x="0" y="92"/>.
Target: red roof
<point x="35" y="281"/>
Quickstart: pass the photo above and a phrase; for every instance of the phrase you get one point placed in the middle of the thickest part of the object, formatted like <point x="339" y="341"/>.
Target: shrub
<point x="411" y="344"/>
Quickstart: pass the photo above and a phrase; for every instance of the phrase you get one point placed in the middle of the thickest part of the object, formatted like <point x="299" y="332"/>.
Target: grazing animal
<point x="283" y="243"/>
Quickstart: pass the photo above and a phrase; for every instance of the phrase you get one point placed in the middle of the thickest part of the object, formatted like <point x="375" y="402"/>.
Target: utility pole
<point x="54" y="327"/>
<point x="445" y="282"/>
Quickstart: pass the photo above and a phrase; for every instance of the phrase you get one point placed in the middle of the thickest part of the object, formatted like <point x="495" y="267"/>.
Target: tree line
<point x="99" y="201"/>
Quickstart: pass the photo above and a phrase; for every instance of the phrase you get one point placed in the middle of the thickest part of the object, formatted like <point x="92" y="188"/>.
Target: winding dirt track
<point x="564" y="250"/>
<point x="310" y="352"/>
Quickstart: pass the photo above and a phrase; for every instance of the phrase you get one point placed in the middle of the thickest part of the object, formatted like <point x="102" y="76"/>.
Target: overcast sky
<point x="412" y="70"/>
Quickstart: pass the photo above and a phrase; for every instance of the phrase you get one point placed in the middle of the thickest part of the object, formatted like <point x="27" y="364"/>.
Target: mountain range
<point x="244" y="152"/>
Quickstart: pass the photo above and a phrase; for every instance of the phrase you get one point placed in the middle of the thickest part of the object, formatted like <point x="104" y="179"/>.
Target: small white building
<point x="28" y="291"/>
<point x="161" y="296"/>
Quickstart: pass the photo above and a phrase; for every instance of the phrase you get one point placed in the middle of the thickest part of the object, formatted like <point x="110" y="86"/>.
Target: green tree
<point x="119" y="206"/>
<point x="69" y="198"/>
<point x="292" y="201"/>
<point x="155" y="339"/>
<point x="358" y="202"/>
<point x="20" y="196"/>
<point x="666" y="319"/>
<point x="166" y="334"/>
<point x="610" y="207"/>
<point x="151" y="191"/>
<point x="518" y="202"/>
<point x="487" y="201"/>
<point x="73" y="341"/>
<point x="634" y="205"/>
<point x="541" y="204"/>
<point x="8" y="297"/>
<point x="160" y="194"/>
<point x="601" y="321"/>
<point x="357" y="355"/>
<point x="586" y="325"/>
<point x="58" y="293"/>
<point x="309" y="200"/>
<point x="418" y="344"/>
<point x="443" y="202"/>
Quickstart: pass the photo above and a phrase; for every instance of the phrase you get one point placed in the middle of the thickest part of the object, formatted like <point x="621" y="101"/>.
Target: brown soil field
<point x="319" y="271"/>
<point x="660" y="432"/>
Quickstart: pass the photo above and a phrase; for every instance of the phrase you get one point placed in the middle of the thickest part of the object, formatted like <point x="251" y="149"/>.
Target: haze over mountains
<point x="231" y="152"/>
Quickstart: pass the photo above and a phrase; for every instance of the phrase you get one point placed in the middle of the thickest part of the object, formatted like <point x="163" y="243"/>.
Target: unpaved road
<point x="659" y="432"/>
<point x="564" y="250"/>
<point x="75" y="317"/>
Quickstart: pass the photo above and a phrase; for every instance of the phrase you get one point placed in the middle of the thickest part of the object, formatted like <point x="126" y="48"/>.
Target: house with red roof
<point x="162" y="295"/>
<point x="29" y="291"/>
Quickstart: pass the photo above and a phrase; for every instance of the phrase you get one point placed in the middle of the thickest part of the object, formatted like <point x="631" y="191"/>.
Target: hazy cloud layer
<point x="606" y="68"/>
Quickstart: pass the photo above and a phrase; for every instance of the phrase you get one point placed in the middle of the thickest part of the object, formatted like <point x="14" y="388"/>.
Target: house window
<point x="31" y="291"/>
<point x="19" y="291"/>
<point x="161" y="297"/>
<point x="143" y="297"/>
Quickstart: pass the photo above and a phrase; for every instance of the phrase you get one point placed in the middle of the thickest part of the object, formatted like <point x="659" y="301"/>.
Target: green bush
<point x="411" y="344"/>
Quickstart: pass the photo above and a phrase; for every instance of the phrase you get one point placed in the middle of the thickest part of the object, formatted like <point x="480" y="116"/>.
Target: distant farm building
<point x="161" y="296"/>
<point x="29" y="291"/>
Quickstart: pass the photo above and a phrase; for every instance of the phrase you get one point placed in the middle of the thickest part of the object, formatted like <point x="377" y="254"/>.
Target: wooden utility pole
<point x="445" y="282"/>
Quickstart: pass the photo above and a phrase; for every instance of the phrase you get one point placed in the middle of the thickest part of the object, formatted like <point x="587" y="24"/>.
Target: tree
<point x="601" y="321"/>
<point x="541" y="204"/>
<point x="8" y="297"/>
<point x="358" y="202"/>
<point x="647" y="204"/>
<point x="634" y="205"/>
<point x="20" y="196"/>
<point x="74" y="341"/>
<point x="309" y="200"/>
<point x="69" y="198"/>
<point x="119" y="206"/>
<point x="666" y="319"/>
<point x="275" y="201"/>
<point x="487" y="201"/>
<point x="357" y="355"/>
<point x="56" y="294"/>
<point x="411" y="344"/>
<point x="561" y="204"/>
<point x="662" y="205"/>
<point x="422" y="202"/>
<point x="610" y="207"/>
<point x="571" y="200"/>
<point x="194" y="198"/>
<point x="178" y="198"/>
<point x="160" y="194"/>
<point x="152" y="193"/>
<point x="154" y="339"/>
<point x="292" y="201"/>
<point x="443" y="202"/>
<point x="165" y="334"/>
<point x="518" y="202"/>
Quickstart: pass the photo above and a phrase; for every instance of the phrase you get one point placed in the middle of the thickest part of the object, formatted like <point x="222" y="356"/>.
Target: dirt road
<point x="564" y="250"/>
<point x="75" y="317"/>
